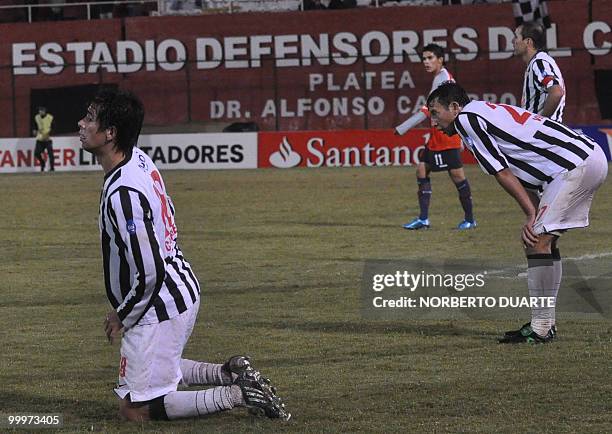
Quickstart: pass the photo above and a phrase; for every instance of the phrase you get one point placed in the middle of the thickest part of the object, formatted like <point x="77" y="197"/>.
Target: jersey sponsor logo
<point x="285" y="157"/>
<point x="130" y="226"/>
<point x="351" y="148"/>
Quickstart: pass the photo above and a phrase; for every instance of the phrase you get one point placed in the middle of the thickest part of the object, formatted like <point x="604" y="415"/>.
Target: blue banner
<point x="602" y="134"/>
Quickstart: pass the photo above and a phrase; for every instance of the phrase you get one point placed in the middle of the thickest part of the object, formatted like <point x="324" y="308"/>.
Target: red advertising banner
<point x="372" y="148"/>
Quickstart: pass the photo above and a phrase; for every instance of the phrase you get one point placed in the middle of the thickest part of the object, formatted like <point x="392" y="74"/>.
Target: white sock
<point x="202" y="373"/>
<point x="558" y="267"/>
<point x="540" y="281"/>
<point x="201" y="402"/>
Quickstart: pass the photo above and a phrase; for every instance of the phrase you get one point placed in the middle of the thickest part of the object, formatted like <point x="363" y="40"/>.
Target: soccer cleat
<point x="527" y="335"/>
<point x="465" y="224"/>
<point x="236" y="365"/>
<point x="259" y="395"/>
<point x="417" y="224"/>
<point x="527" y="328"/>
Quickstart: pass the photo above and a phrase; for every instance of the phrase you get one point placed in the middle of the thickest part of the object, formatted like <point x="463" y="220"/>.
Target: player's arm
<point x="549" y="83"/>
<point x="130" y="214"/>
<point x="411" y="122"/>
<point x="553" y="98"/>
<point x="473" y="130"/>
<point x="511" y="184"/>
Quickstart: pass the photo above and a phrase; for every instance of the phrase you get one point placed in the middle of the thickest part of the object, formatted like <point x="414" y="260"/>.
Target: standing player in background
<point x="543" y="85"/>
<point x="154" y="293"/>
<point x="441" y="152"/>
<point x="544" y="94"/>
<point x="44" y="124"/>
<point x="523" y="151"/>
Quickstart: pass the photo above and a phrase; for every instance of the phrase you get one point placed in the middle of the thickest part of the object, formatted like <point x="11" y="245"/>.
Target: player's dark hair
<point x="447" y="93"/>
<point x="123" y="111"/>
<point x="534" y="31"/>
<point x="435" y="49"/>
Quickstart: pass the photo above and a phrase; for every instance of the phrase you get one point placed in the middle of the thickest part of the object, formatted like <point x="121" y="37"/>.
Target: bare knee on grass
<point x="133" y="412"/>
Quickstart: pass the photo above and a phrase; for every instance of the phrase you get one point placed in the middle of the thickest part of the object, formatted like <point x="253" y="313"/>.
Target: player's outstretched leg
<point x="196" y="403"/>
<point x="424" y="195"/>
<point x="465" y="198"/>
<point x="197" y="373"/>
<point x="247" y="389"/>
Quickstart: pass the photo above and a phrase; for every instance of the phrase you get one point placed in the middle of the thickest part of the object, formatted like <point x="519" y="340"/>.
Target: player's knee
<point x="133" y="412"/>
<point x="421" y="171"/>
<point x="543" y="246"/>
<point x="457" y="175"/>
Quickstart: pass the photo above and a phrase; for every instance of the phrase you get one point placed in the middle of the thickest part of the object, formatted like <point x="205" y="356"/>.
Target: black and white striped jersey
<point x="535" y="149"/>
<point x="147" y="278"/>
<point x="542" y="72"/>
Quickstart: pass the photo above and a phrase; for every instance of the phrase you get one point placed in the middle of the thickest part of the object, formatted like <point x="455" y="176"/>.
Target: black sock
<point x="465" y="197"/>
<point x="51" y="161"/>
<point x="424" y="195"/>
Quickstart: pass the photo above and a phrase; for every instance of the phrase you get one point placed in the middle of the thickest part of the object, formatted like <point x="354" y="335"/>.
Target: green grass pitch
<point x="280" y="255"/>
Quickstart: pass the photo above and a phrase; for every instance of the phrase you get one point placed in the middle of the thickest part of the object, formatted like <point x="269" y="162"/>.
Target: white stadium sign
<point x="168" y="151"/>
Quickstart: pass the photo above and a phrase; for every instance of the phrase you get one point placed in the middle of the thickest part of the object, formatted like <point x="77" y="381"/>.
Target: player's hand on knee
<point x="529" y="237"/>
<point x="112" y="326"/>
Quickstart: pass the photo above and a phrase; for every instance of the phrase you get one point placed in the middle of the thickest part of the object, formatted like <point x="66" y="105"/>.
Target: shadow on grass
<point x="272" y="289"/>
<point x="332" y="224"/>
<point x="74" y="408"/>
<point x="369" y="328"/>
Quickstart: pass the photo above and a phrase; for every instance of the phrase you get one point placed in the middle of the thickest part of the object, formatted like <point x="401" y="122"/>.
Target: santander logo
<point x="285" y="157"/>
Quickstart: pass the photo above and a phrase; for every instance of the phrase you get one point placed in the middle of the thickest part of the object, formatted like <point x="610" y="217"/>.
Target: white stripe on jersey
<point x="534" y="148"/>
<point x="542" y="72"/>
<point x="147" y="278"/>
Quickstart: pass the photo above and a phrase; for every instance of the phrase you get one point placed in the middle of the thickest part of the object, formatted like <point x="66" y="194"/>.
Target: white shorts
<point x="566" y="201"/>
<point x="150" y="357"/>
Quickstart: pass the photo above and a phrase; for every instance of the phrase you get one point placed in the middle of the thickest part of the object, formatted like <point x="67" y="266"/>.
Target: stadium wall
<point x="320" y="70"/>
<point x="283" y="149"/>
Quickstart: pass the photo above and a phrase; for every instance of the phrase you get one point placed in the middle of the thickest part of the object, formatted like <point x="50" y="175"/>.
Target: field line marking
<point x="570" y="258"/>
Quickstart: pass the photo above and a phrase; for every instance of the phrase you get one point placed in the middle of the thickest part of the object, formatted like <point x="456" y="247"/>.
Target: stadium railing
<point x="64" y="10"/>
<point x="76" y="10"/>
